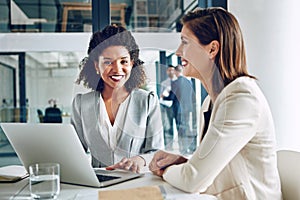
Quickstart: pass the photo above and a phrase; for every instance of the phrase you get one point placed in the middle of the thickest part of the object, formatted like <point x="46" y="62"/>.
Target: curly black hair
<point x="111" y="35"/>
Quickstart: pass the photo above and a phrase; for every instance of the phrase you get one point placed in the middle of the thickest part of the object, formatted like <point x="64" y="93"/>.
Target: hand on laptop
<point x="161" y="160"/>
<point x="133" y="164"/>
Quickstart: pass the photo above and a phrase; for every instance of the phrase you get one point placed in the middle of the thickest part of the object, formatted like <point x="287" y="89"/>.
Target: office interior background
<point x="42" y="43"/>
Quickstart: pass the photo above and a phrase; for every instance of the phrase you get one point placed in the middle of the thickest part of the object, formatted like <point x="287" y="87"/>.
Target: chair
<point x="52" y="115"/>
<point x="288" y="166"/>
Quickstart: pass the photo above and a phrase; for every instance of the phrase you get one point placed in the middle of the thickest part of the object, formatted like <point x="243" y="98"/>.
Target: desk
<point x="68" y="6"/>
<point x="20" y="190"/>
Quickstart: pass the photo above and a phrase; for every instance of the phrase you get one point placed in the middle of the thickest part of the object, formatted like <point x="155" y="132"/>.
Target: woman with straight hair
<point x="236" y="157"/>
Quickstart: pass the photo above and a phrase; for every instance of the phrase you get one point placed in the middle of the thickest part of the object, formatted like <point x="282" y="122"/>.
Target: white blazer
<point x="237" y="158"/>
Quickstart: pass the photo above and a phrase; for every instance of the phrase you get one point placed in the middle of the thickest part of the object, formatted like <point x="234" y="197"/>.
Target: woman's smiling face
<point x="114" y="66"/>
<point x="195" y="57"/>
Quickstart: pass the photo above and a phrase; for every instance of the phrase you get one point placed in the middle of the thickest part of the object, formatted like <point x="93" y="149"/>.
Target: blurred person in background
<point x="166" y="107"/>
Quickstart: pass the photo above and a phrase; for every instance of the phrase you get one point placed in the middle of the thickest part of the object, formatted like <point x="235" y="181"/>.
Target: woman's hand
<point x="134" y="164"/>
<point x="161" y="160"/>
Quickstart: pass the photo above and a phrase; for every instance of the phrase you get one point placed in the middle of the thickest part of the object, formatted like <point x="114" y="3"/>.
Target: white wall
<point x="271" y="31"/>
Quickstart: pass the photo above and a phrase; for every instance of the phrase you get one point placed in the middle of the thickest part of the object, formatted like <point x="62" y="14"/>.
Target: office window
<point x="7" y="111"/>
<point x="155" y="15"/>
<point x="55" y="15"/>
<point x="7" y="74"/>
<point x="76" y="15"/>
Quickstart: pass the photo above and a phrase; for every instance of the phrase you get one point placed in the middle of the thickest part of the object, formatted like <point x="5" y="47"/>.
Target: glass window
<point x="155" y="15"/>
<point x="7" y="81"/>
<point x="52" y="60"/>
<point x="45" y="16"/>
<point x="76" y="15"/>
<point x="7" y="111"/>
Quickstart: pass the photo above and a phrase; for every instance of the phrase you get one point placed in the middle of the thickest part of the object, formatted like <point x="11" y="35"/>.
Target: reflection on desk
<point x="20" y="190"/>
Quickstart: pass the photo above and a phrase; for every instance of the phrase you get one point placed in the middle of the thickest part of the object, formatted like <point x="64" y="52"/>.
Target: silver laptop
<point x="59" y="143"/>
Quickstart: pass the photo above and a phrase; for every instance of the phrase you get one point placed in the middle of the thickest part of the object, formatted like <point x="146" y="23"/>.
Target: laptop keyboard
<point x="103" y="178"/>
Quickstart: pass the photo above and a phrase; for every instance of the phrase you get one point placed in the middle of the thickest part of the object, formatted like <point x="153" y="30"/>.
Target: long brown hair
<point x="218" y="24"/>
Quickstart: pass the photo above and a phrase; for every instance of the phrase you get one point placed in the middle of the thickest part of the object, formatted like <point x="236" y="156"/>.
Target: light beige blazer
<point x="237" y="158"/>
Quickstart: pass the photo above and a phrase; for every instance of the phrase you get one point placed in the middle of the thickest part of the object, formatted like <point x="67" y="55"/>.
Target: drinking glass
<point x="44" y="180"/>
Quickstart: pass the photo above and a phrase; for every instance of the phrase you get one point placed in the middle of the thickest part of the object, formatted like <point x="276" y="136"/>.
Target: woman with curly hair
<point x="118" y="122"/>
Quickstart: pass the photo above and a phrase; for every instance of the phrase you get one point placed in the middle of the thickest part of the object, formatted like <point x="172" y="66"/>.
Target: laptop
<point x="59" y="143"/>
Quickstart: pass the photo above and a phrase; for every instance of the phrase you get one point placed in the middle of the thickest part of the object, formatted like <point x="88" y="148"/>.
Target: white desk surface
<point x="20" y="190"/>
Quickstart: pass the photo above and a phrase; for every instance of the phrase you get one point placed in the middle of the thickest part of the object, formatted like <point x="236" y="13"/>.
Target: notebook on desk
<point x="12" y="173"/>
<point x="59" y="143"/>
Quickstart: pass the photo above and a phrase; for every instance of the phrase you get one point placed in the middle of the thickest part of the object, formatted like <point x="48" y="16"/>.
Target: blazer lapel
<point x="204" y="108"/>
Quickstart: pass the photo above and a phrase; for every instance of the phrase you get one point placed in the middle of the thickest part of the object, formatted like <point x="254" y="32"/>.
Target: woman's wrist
<point x="181" y="159"/>
<point x="140" y="160"/>
<point x="165" y="171"/>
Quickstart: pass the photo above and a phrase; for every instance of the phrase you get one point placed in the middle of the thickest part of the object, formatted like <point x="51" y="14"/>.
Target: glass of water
<point x="44" y="180"/>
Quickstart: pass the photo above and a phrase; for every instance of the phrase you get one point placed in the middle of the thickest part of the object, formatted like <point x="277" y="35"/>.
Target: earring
<point x="97" y="72"/>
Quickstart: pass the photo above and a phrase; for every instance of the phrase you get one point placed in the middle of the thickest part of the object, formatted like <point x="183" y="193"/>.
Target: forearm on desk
<point x="223" y="141"/>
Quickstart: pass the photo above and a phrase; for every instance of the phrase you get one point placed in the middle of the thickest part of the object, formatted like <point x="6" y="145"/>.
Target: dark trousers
<point x="187" y="135"/>
<point x="167" y="120"/>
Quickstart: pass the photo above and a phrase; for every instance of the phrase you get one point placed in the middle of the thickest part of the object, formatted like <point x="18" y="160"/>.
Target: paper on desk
<point x="171" y="193"/>
<point x="168" y="192"/>
<point x="12" y="173"/>
<point x="145" y="193"/>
